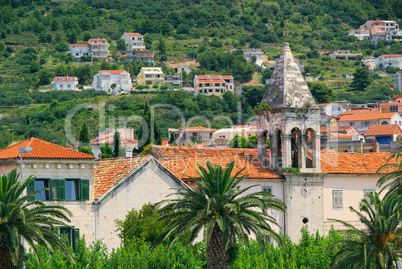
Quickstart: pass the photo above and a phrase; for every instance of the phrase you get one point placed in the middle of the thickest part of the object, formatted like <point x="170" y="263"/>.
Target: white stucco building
<point x="104" y="80"/>
<point x="79" y="50"/>
<point x="398" y="81"/>
<point x="134" y="41"/>
<point x="332" y="109"/>
<point x="65" y="83"/>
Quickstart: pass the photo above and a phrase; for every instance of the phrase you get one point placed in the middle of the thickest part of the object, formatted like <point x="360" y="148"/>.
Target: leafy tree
<point x="84" y="135"/>
<point x="106" y="151"/>
<point x="211" y="208"/>
<point x="172" y="139"/>
<point x="253" y="94"/>
<point x="86" y="150"/>
<point x="120" y="44"/>
<point x="161" y="45"/>
<point x="361" y="80"/>
<point x="116" y="144"/>
<point x="320" y="92"/>
<point x="33" y="221"/>
<point x="235" y="142"/>
<point x="267" y="74"/>
<point x="380" y="242"/>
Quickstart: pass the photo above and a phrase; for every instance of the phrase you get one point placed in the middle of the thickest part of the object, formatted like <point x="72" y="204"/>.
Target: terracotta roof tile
<point x="110" y="171"/>
<point x="65" y="78"/>
<point x="112" y="71"/>
<point x="133" y="34"/>
<point x="79" y="45"/>
<point x="360" y="111"/>
<point x="383" y="130"/>
<point x="42" y="150"/>
<point x="198" y="128"/>
<point x="366" y="117"/>
<point x="182" y="161"/>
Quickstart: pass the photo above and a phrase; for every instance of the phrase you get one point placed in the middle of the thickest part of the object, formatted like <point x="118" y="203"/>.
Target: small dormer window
<point x="103" y="41"/>
<point x="95" y="41"/>
<point x="68" y="78"/>
<point x="60" y="78"/>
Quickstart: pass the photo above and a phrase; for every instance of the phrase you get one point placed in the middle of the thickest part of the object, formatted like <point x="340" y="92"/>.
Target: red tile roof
<point x="360" y="111"/>
<point x="133" y="34"/>
<point x="182" y="161"/>
<point x="112" y="71"/>
<point x="65" y="78"/>
<point x="333" y="162"/>
<point x="337" y="129"/>
<point x="366" y="117"/>
<point x="110" y="171"/>
<point x="197" y="129"/>
<point x="341" y="136"/>
<point x="213" y="77"/>
<point x="165" y="142"/>
<point x="42" y="150"/>
<point x="252" y="83"/>
<point x="383" y="130"/>
<point x="392" y="55"/>
<point x="79" y="45"/>
<point x="212" y="81"/>
<point x="97" y="39"/>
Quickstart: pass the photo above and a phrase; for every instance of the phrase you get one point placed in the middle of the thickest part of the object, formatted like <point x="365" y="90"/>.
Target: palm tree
<point x="381" y="240"/>
<point x="31" y="220"/>
<point x="222" y="209"/>
<point x="392" y="180"/>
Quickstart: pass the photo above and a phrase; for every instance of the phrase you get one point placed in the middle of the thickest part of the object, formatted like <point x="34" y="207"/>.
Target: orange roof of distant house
<point x="390" y="104"/>
<point x="133" y="34"/>
<point x="383" y="130"/>
<point x="392" y="55"/>
<point x="213" y="81"/>
<point x="42" y="150"/>
<point x="341" y="136"/>
<point x="212" y="76"/>
<point x="366" y="117"/>
<point x="198" y="128"/>
<point x="165" y="142"/>
<point x="109" y="172"/>
<point x="252" y="83"/>
<point x="360" y="111"/>
<point x="108" y="138"/>
<point x="326" y="104"/>
<point x="65" y="78"/>
<point x="336" y="129"/>
<point x="112" y="71"/>
<point x="79" y="45"/>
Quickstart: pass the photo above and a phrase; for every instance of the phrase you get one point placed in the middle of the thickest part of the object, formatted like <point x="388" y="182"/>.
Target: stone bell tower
<point x="293" y="122"/>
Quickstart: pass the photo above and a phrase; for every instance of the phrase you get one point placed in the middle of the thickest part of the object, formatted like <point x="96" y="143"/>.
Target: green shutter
<point x="31" y="189"/>
<point x="58" y="189"/>
<point x="84" y="190"/>
<point x="76" y="236"/>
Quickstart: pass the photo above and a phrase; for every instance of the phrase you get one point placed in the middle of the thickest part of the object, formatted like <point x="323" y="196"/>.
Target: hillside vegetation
<point x="34" y="38"/>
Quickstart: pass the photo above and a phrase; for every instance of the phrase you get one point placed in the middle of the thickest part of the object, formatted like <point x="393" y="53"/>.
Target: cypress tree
<point x="116" y="144"/>
<point x="84" y="135"/>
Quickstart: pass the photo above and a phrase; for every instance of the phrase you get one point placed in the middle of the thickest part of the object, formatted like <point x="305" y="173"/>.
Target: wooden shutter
<point x="84" y="190"/>
<point x="58" y="190"/>
<point x="31" y="189"/>
<point x="76" y="236"/>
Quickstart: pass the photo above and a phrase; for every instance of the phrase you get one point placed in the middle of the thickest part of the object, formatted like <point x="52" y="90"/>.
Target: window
<point x="393" y="109"/>
<point x="217" y="84"/>
<point x="367" y="192"/>
<point x="366" y="123"/>
<point x="200" y="85"/>
<point x="352" y="123"/>
<point x="210" y="90"/>
<point x="60" y="189"/>
<point x="207" y="84"/>
<point x="337" y="199"/>
<point x="217" y="90"/>
<point x="40" y="184"/>
<point x="267" y="189"/>
<point x="71" y="234"/>
<point x="148" y="76"/>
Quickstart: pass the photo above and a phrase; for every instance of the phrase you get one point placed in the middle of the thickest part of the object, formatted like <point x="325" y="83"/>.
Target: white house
<point x="360" y="34"/>
<point x="134" y="41"/>
<point x="79" y="50"/>
<point x="390" y="60"/>
<point x="362" y="121"/>
<point x="332" y="109"/>
<point x="223" y="136"/>
<point x="127" y="141"/>
<point x="104" y="80"/>
<point x="65" y="83"/>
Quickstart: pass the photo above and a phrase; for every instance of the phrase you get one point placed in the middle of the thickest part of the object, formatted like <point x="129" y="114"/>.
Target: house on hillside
<point x="213" y="85"/>
<point x="222" y="136"/>
<point x="197" y="134"/>
<point x="135" y="49"/>
<point x="134" y="41"/>
<point x="173" y="80"/>
<point x="151" y="76"/>
<point x="332" y="109"/>
<point x="97" y="48"/>
<point x="65" y="83"/>
<point x="344" y="55"/>
<point x="362" y="121"/>
<point x="112" y="81"/>
<point x="383" y="134"/>
<point x="390" y="60"/>
<point x="360" y="34"/>
<point x="127" y="142"/>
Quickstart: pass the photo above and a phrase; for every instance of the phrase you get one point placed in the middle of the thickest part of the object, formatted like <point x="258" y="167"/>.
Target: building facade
<point x="134" y="41"/>
<point x="344" y="55"/>
<point x="173" y="80"/>
<point x="65" y="83"/>
<point x="197" y="134"/>
<point x="96" y="48"/>
<point x="397" y="80"/>
<point x="112" y="81"/>
<point x="79" y="50"/>
<point x="151" y="76"/>
<point x="213" y="85"/>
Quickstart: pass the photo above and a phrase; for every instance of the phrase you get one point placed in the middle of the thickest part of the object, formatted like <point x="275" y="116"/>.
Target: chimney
<point x="376" y="146"/>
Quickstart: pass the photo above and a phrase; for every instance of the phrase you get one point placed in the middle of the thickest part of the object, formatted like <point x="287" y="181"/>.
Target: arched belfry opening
<point x="295" y="147"/>
<point x="312" y="148"/>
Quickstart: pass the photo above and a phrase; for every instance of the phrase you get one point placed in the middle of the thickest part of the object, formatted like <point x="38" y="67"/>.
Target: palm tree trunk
<point x="216" y="254"/>
<point x="5" y="256"/>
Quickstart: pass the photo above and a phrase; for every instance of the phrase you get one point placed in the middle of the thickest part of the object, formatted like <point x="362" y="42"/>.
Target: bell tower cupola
<point x="290" y="119"/>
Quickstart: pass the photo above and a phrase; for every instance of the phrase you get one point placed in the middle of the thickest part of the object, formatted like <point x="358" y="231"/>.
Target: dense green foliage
<point x="22" y="217"/>
<point x="310" y="253"/>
